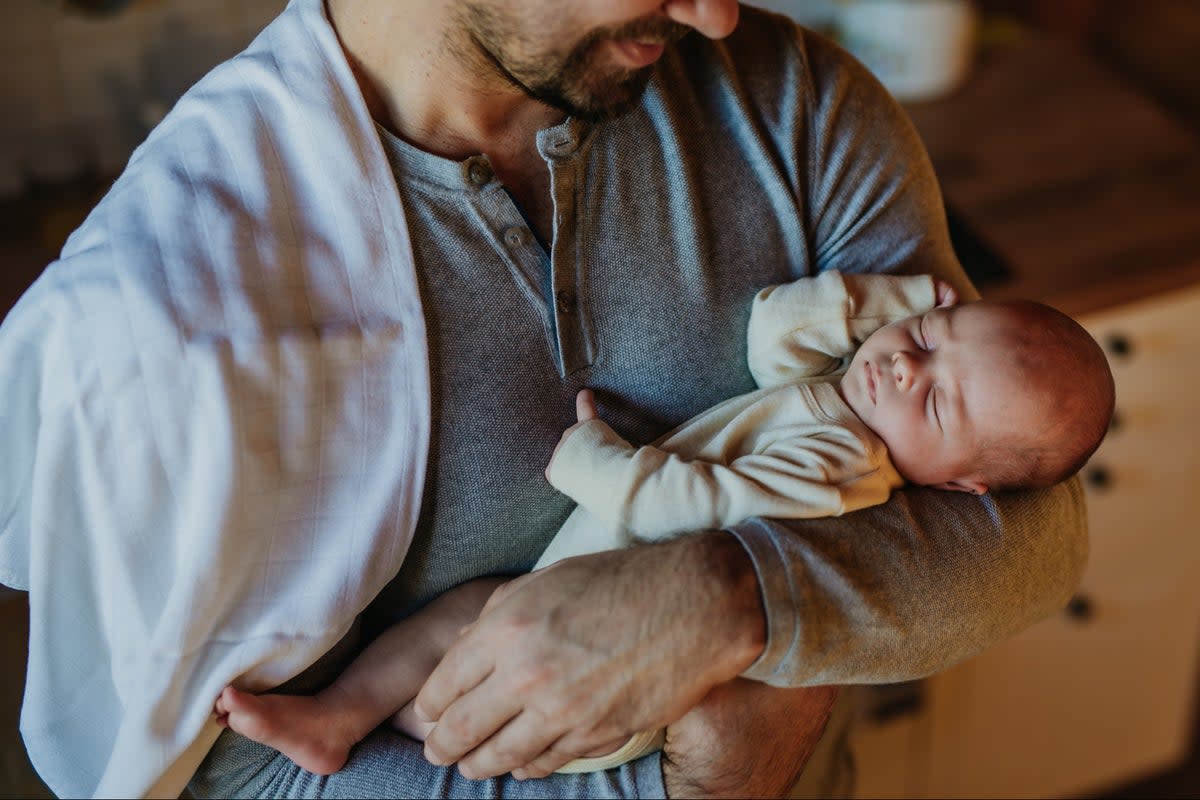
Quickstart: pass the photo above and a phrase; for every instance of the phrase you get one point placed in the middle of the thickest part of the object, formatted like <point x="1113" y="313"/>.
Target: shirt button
<point x="566" y="301"/>
<point x="514" y="237"/>
<point x="478" y="172"/>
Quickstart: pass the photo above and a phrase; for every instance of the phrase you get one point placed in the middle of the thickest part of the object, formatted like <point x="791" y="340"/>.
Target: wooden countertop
<point x="1086" y="190"/>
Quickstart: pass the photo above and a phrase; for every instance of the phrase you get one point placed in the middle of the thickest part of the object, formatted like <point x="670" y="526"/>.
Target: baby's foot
<point x="302" y="728"/>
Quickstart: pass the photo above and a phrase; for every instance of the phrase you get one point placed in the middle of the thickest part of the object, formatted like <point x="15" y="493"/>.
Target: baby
<point x="867" y="382"/>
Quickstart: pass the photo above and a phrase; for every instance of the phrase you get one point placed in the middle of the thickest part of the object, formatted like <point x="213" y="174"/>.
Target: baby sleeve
<point x="795" y="472"/>
<point x="807" y="328"/>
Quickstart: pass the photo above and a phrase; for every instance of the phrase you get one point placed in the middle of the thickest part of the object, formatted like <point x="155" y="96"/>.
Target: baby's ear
<point x="974" y="487"/>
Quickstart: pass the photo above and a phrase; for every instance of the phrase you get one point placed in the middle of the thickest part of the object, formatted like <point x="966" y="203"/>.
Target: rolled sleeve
<point x="899" y="591"/>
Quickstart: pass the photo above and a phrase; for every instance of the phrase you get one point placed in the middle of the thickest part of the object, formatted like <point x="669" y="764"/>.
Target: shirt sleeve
<point x="874" y="204"/>
<point x="932" y="577"/>
<point x="809" y="327"/>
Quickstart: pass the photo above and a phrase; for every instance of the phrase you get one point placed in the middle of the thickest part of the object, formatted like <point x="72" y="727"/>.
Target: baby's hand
<point x="585" y="405"/>
<point x="585" y="409"/>
<point x="946" y="294"/>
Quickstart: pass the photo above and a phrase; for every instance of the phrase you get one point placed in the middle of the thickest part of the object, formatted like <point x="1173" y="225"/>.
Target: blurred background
<point x="1066" y="135"/>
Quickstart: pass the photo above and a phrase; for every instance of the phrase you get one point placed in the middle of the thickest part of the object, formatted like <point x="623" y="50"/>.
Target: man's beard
<point x="573" y="83"/>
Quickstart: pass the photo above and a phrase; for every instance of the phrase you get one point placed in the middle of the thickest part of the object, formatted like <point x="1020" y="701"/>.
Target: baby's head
<point x="987" y="395"/>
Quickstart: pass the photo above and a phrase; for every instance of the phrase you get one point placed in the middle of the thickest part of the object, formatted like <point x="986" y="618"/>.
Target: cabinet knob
<point x="1080" y="608"/>
<point x="1116" y="422"/>
<point x="1118" y="345"/>
<point x="1098" y="477"/>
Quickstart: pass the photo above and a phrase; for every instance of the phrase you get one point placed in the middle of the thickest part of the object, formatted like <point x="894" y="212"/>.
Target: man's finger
<point x="460" y="670"/>
<point x="524" y="739"/>
<point x="468" y="723"/>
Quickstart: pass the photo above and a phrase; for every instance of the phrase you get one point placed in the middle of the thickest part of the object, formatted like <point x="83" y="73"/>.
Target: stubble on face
<point x="570" y="78"/>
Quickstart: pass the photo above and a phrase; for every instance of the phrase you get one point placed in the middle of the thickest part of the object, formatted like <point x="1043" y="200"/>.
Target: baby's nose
<point x="904" y="369"/>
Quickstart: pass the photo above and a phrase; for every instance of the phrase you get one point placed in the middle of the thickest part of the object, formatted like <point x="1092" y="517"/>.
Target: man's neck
<point x="427" y="82"/>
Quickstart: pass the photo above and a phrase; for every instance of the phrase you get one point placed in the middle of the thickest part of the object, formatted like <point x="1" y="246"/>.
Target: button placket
<point x="527" y="262"/>
<point x="528" y="265"/>
<point x="574" y="353"/>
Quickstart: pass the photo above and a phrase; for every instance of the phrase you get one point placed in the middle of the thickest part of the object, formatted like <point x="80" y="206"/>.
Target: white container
<point x="919" y="49"/>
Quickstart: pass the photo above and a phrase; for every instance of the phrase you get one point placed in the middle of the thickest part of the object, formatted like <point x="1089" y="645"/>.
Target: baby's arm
<point x="805" y="328"/>
<point x="652" y="493"/>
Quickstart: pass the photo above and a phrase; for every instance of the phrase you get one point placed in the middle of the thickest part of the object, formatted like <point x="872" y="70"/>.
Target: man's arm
<point x="932" y="578"/>
<point x="598" y="647"/>
<point x="694" y="761"/>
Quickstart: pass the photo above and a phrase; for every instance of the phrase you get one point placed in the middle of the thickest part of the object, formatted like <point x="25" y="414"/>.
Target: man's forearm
<point x="718" y="749"/>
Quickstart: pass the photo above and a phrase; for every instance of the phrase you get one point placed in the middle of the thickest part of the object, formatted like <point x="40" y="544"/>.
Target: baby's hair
<point x="1061" y="362"/>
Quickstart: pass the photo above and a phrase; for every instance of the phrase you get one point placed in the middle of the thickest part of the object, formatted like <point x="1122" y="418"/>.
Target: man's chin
<point x="612" y="104"/>
<point x="603" y="113"/>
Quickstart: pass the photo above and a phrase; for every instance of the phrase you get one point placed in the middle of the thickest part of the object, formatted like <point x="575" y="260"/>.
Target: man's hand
<point x="745" y="739"/>
<point x="571" y="660"/>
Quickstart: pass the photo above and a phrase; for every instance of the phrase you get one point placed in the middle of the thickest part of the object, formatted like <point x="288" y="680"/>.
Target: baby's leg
<point x="318" y="731"/>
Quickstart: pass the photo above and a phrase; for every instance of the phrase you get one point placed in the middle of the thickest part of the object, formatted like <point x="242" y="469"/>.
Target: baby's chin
<point x="915" y="472"/>
<point x="854" y="391"/>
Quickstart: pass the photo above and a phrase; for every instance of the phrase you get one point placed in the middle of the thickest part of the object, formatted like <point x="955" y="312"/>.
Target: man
<point x="393" y="232"/>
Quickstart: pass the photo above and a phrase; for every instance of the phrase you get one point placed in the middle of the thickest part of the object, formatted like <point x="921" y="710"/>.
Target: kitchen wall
<point x="79" y="90"/>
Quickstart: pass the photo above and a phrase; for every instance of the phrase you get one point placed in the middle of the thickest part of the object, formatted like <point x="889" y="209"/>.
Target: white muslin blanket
<point x="215" y="417"/>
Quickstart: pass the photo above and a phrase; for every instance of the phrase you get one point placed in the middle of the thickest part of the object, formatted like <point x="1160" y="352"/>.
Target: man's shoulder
<point x="762" y="44"/>
<point x="767" y="45"/>
<point x="770" y="66"/>
<point x="764" y="37"/>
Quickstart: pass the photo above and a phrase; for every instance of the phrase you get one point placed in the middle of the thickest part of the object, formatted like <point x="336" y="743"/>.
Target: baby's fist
<point x="946" y="294"/>
<point x="585" y="409"/>
<point x="585" y="405"/>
